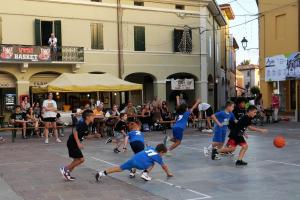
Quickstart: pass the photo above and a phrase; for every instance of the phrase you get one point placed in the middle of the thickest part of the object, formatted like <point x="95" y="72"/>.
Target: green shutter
<point x="100" y="36"/>
<point x="139" y="38"/>
<point x="37" y="26"/>
<point x="57" y="32"/>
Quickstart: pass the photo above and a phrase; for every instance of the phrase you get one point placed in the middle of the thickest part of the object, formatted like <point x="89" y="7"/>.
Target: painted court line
<point x="203" y="196"/>
<point x="284" y="163"/>
<point x="103" y="161"/>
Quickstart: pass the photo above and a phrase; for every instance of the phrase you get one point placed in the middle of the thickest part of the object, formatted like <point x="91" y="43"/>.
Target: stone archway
<point x="147" y="81"/>
<point x="188" y="95"/>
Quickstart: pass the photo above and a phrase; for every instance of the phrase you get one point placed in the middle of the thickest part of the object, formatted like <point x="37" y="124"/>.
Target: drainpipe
<point x="120" y="39"/>
<point x="215" y="73"/>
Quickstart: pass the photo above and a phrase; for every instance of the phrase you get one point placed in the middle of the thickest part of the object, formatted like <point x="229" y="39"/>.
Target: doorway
<point x="46" y="30"/>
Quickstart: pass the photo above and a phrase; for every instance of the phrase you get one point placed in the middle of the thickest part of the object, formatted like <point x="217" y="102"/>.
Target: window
<point x="138" y="3"/>
<point x="97" y="36"/>
<point x="179" y="38"/>
<point x="43" y="30"/>
<point x="96" y="0"/>
<point x="179" y="7"/>
<point x="248" y="73"/>
<point x="139" y="38"/>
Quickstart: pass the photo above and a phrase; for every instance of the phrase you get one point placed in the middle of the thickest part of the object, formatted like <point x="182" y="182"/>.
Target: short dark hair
<point x="228" y="103"/>
<point x="122" y="115"/>
<point x="181" y="108"/>
<point x="87" y="113"/>
<point x="17" y="106"/>
<point x="251" y="108"/>
<point x="161" y="148"/>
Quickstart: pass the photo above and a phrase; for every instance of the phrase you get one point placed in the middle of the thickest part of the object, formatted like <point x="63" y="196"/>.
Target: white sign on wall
<point x="282" y="67"/>
<point x="182" y="84"/>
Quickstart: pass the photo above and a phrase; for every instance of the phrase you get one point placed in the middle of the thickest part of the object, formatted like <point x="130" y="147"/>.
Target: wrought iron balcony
<point x="40" y="54"/>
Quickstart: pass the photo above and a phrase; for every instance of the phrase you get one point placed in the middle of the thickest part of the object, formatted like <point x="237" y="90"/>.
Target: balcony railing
<point x="39" y="54"/>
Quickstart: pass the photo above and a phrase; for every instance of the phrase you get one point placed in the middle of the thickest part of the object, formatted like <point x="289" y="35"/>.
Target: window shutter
<point x="100" y="36"/>
<point x="0" y="30"/>
<point x="93" y="35"/>
<point x="177" y="39"/>
<point x="37" y="26"/>
<point x="139" y="38"/>
<point x="57" y="32"/>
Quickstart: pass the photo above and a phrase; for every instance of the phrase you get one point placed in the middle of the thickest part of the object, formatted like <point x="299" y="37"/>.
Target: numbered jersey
<point x="136" y="136"/>
<point x="182" y="120"/>
<point x="147" y="158"/>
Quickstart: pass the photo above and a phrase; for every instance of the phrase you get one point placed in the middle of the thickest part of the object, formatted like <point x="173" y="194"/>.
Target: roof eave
<point x="216" y="11"/>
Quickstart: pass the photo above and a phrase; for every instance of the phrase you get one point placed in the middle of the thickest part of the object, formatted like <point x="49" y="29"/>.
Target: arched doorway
<point x="148" y="91"/>
<point x="188" y="93"/>
<point x="8" y="97"/>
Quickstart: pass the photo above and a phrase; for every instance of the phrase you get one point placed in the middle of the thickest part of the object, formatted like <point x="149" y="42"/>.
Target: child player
<point x="119" y="133"/>
<point x="237" y="134"/>
<point x="136" y="141"/>
<point x="75" y="145"/>
<point x="181" y="123"/>
<point x="143" y="160"/>
<point x="221" y="120"/>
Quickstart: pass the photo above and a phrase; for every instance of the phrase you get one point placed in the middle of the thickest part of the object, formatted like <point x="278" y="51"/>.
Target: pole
<point x="120" y="37"/>
<point x="215" y="77"/>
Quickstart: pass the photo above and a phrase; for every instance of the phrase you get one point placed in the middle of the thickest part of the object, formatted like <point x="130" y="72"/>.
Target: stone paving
<point x="29" y="171"/>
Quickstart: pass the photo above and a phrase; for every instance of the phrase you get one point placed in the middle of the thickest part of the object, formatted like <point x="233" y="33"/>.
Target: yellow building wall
<point x="278" y="34"/>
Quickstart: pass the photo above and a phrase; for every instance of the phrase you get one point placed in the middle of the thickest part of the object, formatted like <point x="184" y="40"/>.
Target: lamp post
<point x="244" y="43"/>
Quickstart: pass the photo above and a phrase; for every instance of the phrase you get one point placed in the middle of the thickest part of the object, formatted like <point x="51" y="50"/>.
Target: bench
<point x="14" y="130"/>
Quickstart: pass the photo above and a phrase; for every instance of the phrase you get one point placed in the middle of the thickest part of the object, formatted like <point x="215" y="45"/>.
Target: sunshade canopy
<point x="86" y="82"/>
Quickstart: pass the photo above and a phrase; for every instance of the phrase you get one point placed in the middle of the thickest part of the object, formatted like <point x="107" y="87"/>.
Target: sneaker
<point x="71" y="178"/>
<point x="205" y="151"/>
<point x="99" y="175"/>
<point x="117" y="150"/>
<point x="58" y="140"/>
<point x="215" y="154"/>
<point x="132" y="173"/>
<point x="47" y="141"/>
<point x="64" y="173"/>
<point x="209" y="131"/>
<point x="62" y="135"/>
<point x="240" y="163"/>
<point x="145" y="176"/>
<point x="109" y="140"/>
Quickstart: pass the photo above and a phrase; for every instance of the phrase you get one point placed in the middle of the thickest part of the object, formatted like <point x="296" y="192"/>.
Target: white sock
<point x="210" y="147"/>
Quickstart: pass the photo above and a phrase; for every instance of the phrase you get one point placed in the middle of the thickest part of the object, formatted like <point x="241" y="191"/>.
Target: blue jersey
<point x="182" y="120"/>
<point x="224" y="118"/>
<point x="136" y="136"/>
<point x="147" y="158"/>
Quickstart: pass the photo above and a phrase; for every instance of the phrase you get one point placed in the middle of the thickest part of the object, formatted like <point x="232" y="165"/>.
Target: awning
<point x="86" y="82"/>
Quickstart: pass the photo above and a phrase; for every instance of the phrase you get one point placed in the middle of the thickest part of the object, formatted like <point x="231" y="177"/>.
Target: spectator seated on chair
<point x="18" y="119"/>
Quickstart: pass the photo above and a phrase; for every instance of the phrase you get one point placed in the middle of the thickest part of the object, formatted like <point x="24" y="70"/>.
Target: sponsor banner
<point x="21" y="53"/>
<point x="282" y="67"/>
<point x="182" y="84"/>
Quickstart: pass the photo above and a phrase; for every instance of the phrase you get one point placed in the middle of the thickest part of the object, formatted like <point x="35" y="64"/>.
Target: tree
<point x="246" y="62"/>
<point x="255" y="90"/>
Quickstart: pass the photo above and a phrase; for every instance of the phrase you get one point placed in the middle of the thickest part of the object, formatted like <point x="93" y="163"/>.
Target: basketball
<point x="279" y="141"/>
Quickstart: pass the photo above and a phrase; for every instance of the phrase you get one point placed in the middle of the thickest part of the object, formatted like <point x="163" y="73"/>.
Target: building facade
<point x="229" y="47"/>
<point x="251" y="77"/>
<point x="147" y="42"/>
<point x="278" y="35"/>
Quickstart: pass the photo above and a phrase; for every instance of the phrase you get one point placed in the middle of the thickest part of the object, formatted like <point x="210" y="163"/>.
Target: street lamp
<point x="244" y="43"/>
